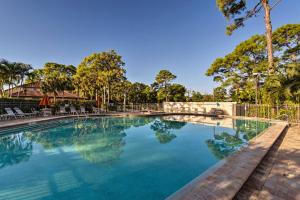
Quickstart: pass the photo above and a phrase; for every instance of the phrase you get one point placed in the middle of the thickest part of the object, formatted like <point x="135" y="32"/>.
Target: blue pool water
<point x="113" y="157"/>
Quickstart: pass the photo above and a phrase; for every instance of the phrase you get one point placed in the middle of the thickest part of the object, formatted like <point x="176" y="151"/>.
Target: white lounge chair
<point x="62" y="110"/>
<point x="21" y="113"/>
<point x="73" y="111"/>
<point x="11" y="114"/>
<point x="82" y="110"/>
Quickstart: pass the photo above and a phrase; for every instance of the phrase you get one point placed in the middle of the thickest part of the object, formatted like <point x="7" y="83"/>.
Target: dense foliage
<point x="243" y="75"/>
<point x="100" y="77"/>
<point x="12" y="74"/>
<point x="245" y="70"/>
<point x="238" y="11"/>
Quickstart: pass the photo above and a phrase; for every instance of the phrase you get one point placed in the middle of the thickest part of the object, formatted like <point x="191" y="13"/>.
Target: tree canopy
<point x="98" y="72"/>
<point x="240" y="70"/>
<point x="12" y="74"/>
<point x="163" y="79"/>
<point x="57" y="78"/>
<point x="238" y="11"/>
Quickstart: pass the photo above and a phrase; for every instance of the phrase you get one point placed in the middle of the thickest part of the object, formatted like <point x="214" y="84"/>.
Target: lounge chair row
<point x="17" y="113"/>
<point x="73" y="111"/>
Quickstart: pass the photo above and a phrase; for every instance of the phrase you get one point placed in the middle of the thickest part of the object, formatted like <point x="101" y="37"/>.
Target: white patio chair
<point x="73" y="111"/>
<point x="62" y="110"/>
<point x="82" y="110"/>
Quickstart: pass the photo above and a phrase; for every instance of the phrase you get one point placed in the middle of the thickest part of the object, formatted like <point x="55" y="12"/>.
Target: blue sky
<point x="183" y="36"/>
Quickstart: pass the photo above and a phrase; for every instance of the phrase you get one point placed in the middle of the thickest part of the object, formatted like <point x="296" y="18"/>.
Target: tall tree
<point x="137" y="93"/>
<point x="12" y="74"/>
<point x="4" y="68"/>
<point x="177" y="93"/>
<point x="238" y="11"/>
<point x="34" y="76"/>
<point x="163" y="79"/>
<point x="98" y="72"/>
<point x="22" y="71"/>
<point x="240" y="69"/>
<point x="246" y="68"/>
<point x="57" y="78"/>
<point x="151" y="94"/>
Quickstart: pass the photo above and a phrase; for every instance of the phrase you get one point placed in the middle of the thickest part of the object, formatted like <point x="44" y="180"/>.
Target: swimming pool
<point x="114" y="157"/>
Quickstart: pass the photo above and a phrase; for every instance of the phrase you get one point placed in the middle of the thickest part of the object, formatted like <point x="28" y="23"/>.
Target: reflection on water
<point x="163" y="129"/>
<point x="14" y="149"/>
<point x="224" y="143"/>
<point x="98" y="140"/>
<point x="101" y="140"/>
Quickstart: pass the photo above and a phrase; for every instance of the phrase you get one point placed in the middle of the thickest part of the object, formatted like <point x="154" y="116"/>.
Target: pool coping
<point x="225" y="179"/>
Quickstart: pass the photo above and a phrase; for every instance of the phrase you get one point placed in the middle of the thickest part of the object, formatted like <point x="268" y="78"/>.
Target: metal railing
<point x="286" y="112"/>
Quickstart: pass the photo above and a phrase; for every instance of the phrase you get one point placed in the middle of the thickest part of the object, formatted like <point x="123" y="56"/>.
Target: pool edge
<point x="224" y="179"/>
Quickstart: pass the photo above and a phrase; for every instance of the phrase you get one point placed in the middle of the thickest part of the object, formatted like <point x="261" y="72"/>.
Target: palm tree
<point x="4" y="68"/>
<point x="22" y="70"/>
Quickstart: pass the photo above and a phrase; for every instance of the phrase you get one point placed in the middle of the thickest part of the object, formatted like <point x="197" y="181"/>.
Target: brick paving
<point x="278" y="175"/>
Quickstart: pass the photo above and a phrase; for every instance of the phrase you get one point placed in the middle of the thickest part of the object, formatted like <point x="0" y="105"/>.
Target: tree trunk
<point x="19" y="90"/>
<point x="108" y="95"/>
<point x="104" y="97"/>
<point x="124" y="102"/>
<point x="97" y="99"/>
<point x="268" y="25"/>
<point x="166" y="91"/>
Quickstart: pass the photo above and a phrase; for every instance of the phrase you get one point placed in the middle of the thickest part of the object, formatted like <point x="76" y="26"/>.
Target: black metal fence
<point x="286" y="112"/>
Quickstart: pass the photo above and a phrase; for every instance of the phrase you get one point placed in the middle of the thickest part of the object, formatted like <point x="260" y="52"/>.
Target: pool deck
<point x="278" y="175"/>
<point x="240" y="175"/>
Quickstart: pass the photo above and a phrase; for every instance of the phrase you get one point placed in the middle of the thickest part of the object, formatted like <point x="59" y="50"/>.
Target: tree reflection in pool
<point x="99" y="140"/>
<point x="14" y="149"/>
<point x="223" y="144"/>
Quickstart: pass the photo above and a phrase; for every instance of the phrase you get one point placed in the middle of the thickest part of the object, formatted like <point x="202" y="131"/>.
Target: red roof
<point x="38" y="94"/>
<point x="35" y="92"/>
